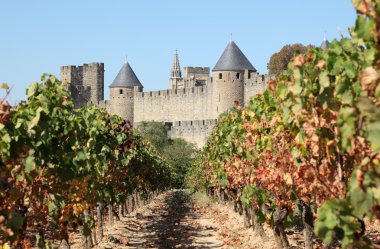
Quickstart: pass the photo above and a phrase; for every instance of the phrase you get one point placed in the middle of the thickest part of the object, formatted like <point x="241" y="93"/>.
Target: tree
<point x="278" y="62"/>
<point x="179" y="153"/>
<point x="155" y="132"/>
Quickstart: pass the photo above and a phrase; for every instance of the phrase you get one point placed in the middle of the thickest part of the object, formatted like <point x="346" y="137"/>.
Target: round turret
<point x="122" y="92"/>
<point x="228" y="78"/>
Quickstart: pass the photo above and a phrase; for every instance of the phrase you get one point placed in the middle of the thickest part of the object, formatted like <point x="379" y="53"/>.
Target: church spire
<point x="176" y="69"/>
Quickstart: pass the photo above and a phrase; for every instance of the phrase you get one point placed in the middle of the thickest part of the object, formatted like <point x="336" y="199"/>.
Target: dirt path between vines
<point x="174" y="219"/>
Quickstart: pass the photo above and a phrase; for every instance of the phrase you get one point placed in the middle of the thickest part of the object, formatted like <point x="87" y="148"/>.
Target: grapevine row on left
<point x="57" y="163"/>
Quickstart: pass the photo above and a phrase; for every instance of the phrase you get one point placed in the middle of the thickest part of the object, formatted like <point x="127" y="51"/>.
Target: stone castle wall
<point x="195" y="131"/>
<point x="86" y="83"/>
<point x="93" y="77"/>
<point x="192" y="111"/>
<point x="121" y="102"/>
<point x="189" y="72"/>
<point x="255" y="84"/>
<point x="175" y="104"/>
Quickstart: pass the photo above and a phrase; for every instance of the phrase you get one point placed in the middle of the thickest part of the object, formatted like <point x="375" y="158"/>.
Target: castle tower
<point x="325" y="44"/>
<point x="228" y="78"/>
<point x="122" y="92"/>
<point x="93" y="77"/>
<point x="175" y="73"/>
<point x="86" y="83"/>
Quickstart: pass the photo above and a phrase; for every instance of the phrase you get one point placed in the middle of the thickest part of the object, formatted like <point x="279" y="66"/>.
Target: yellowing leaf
<point x="4" y="86"/>
<point x="369" y="79"/>
<point x="32" y="89"/>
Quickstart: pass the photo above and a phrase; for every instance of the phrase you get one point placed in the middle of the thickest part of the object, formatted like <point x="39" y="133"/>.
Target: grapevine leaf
<point x="32" y="89"/>
<point x="30" y="164"/>
<point x="4" y="86"/>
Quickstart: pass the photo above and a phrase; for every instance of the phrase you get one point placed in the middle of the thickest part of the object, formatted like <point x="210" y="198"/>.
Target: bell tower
<point x="176" y="80"/>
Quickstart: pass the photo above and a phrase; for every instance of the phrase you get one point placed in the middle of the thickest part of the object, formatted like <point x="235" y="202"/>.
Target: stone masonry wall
<point x="93" y="77"/>
<point x="175" y="105"/>
<point x="86" y="83"/>
<point x="121" y="102"/>
<point x="192" y="110"/>
<point x="229" y="89"/>
<point x="256" y="84"/>
<point x="196" y="72"/>
<point x="72" y="77"/>
<point x="195" y="131"/>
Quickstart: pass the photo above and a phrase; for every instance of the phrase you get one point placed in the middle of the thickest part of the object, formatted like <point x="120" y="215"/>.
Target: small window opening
<point x="220" y="76"/>
<point x="121" y="91"/>
<point x="249" y="75"/>
<point x="238" y="75"/>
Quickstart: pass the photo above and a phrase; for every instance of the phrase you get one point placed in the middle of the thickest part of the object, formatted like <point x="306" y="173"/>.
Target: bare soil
<point x="175" y="219"/>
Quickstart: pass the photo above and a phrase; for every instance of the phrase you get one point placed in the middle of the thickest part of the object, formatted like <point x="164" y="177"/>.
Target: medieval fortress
<point x="191" y="105"/>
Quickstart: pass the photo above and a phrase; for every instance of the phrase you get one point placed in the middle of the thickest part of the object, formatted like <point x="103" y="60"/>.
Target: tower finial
<point x="126" y="60"/>
<point x="325" y="38"/>
<point x="231" y="38"/>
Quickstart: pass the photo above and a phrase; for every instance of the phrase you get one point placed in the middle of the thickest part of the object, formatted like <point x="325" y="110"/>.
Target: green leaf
<point x="36" y="118"/>
<point x="16" y="221"/>
<point x="362" y="202"/>
<point x="331" y="220"/>
<point x="324" y="80"/>
<point x="6" y="138"/>
<point x="295" y="152"/>
<point x="32" y="89"/>
<point x="347" y="123"/>
<point x="374" y="135"/>
<point x="30" y="164"/>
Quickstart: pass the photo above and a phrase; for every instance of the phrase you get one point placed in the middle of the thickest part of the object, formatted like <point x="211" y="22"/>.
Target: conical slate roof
<point x="126" y="78"/>
<point x="233" y="59"/>
<point x="325" y="44"/>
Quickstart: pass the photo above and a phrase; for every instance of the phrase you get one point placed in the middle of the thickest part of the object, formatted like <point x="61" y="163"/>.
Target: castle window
<point x="238" y="75"/>
<point x="121" y="91"/>
<point x="249" y="75"/>
<point x="220" y="76"/>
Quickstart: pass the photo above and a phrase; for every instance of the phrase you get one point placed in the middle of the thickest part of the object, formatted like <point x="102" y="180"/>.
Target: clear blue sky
<point x="42" y="35"/>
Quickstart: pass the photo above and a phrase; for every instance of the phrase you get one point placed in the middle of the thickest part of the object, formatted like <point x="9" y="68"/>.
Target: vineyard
<point x="308" y="149"/>
<point x="304" y="154"/>
<point x="62" y="168"/>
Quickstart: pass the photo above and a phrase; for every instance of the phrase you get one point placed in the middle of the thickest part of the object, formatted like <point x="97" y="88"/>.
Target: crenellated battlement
<point x="196" y="131"/>
<point x="173" y="92"/>
<point x="196" y="72"/>
<point x="192" y="103"/>
<point x="86" y="82"/>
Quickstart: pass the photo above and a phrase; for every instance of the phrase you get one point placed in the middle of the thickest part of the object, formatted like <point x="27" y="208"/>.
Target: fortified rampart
<point x="86" y="82"/>
<point x="175" y="104"/>
<point x="196" y="131"/>
<point x="190" y="106"/>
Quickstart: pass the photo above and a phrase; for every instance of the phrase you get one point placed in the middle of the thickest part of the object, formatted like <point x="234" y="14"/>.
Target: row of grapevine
<point x="58" y="164"/>
<point x="308" y="148"/>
